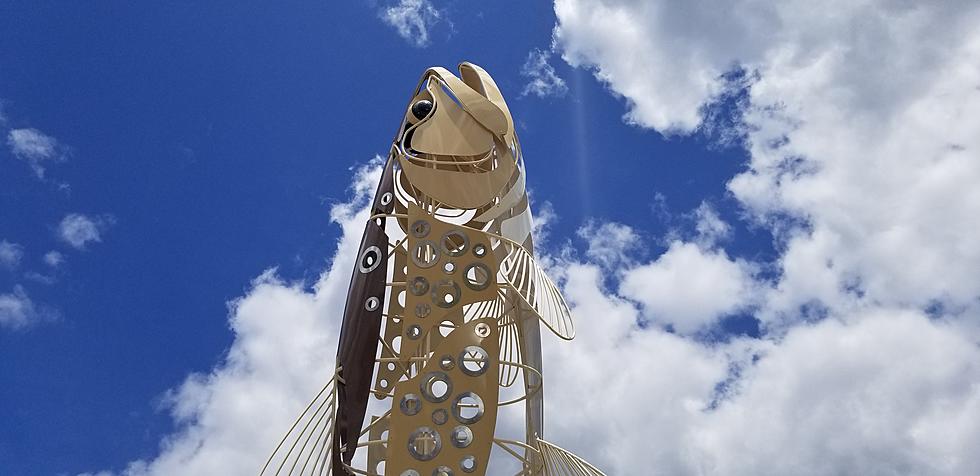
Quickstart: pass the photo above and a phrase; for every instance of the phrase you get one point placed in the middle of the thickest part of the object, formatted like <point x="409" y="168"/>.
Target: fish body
<point x="442" y="327"/>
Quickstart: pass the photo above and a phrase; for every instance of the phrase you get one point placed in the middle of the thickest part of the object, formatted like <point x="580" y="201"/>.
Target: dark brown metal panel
<point x="384" y="197"/>
<point x="359" y="339"/>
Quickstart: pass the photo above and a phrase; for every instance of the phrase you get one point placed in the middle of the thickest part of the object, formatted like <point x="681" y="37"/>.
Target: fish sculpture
<point x="444" y="315"/>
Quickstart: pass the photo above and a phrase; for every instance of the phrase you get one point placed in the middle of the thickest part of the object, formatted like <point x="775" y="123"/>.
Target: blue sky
<point x="188" y="149"/>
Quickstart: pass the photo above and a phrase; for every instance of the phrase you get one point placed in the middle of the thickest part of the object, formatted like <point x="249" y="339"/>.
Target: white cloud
<point x="620" y="395"/>
<point x="543" y="81"/>
<point x="231" y="418"/>
<point x="54" y="258"/>
<point x="710" y="228"/>
<point x="858" y="126"/>
<point x="892" y="392"/>
<point x="10" y="254"/>
<point x="79" y="230"/>
<point x="609" y="243"/>
<point x="544" y="218"/>
<point x="689" y="287"/>
<point x="17" y="310"/>
<point x="35" y="148"/>
<point x="859" y="123"/>
<point x="412" y="19"/>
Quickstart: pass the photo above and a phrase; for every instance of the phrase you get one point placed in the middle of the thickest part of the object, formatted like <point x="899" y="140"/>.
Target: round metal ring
<point x="440" y="416"/>
<point x="420" y="228"/>
<point x="425" y="254"/>
<point x="370" y="259"/>
<point x="477" y="276"/>
<point x="442" y="471"/>
<point x="482" y="330"/>
<point x="446" y="294"/>
<point x="430" y="379"/>
<point x="468" y="464"/>
<point x="424" y="443"/>
<point x="372" y="303"/>
<point x="461" y="436"/>
<point x="411" y="404"/>
<point x="474" y="361"/>
<point x="419" y="286"/>
<point x="455" y="243"/>
<point x="458" y="407"/>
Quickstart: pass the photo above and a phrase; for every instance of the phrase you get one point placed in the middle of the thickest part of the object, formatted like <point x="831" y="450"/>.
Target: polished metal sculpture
<point x="442" y="326"/>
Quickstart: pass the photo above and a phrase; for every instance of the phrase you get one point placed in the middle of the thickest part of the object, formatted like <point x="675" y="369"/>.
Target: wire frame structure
<point x="442" y="327"/>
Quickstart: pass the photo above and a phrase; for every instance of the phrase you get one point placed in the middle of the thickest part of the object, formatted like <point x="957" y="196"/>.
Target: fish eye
<point x="421" y="108"/>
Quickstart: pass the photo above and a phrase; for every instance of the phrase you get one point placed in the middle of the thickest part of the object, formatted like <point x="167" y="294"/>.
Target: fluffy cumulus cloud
<point x="79" y="230"/>
<point x="689" y="288"/>
<point x="609" y="244"/>
<point x="35" y="148"/>
<point x="863" y="164"/>
<point x="17" y="310"/>
<point x="709" y="227"/>
<point x="890" y="393"/>
<point x="412" y="19"/>
<point x="542" y="79"/>
<point x="858" y="123"/>
<point x="231" y="418"/>
<point x="54" y="258"/>
<point x="10" y="254"/>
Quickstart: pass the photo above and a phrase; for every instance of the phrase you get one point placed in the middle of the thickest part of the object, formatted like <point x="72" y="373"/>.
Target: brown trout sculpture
<point x="442" y="329"/>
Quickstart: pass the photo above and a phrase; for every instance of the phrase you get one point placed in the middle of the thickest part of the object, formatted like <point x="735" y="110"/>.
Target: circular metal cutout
<point x="425" y="254"/>
<point x="449" y="267"/>
<point x="370" y="259"/>
<point x="482" y="330"/>
<point x="446" y="362"/>
<point x="442" y="471"/>
<point x="372" y="303"/>
<point x="410" y="472"/>
<point x="477" y="276"/>
<point x="479" y="250"/>
<point x="461" y="436"/>
<point x="468" y="408"/>
<point x="420" y="229"/>
<point x="386" y="198"/>
<point x="468" y="464"/>
<point x="419" y="285"/>
<point x="436" y="387"/>
<point x="411" y="404"/>
<point x="455" y="243"/>
<point x="424" y="443"/>
<point x="446" y="293"/>
<point x="446" y="328"/>
<point x="440" y="416"/>
<point x="422" y="310"/>
<point x="474" y="361"/>
<point x="414" y="332"/>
